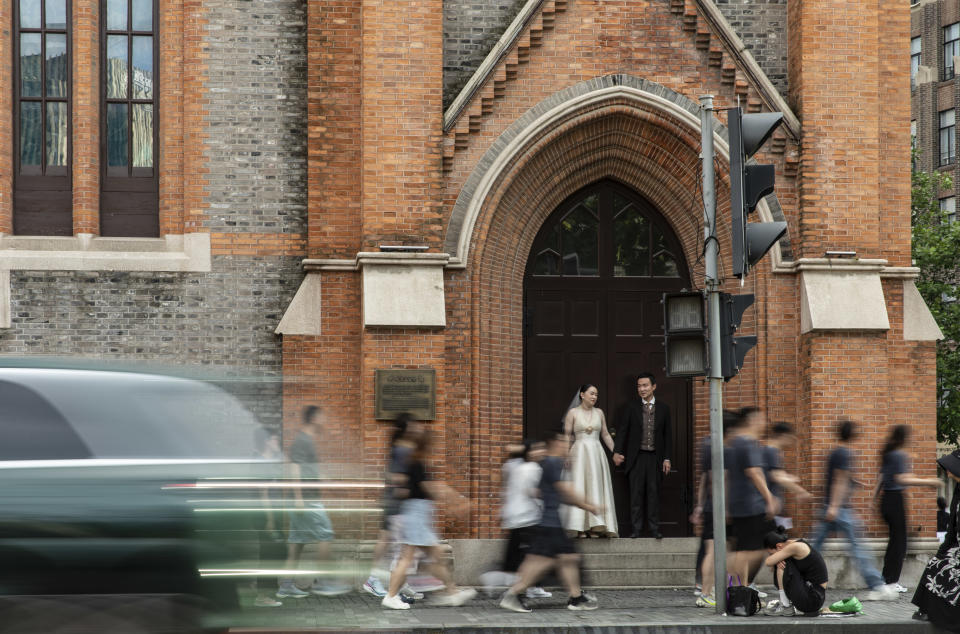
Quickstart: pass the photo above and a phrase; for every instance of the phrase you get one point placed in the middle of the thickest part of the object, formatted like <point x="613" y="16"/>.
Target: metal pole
<point x="712" y="282"/>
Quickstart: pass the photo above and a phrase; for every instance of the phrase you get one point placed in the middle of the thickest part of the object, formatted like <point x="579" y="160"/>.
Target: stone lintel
<point x="302" y="316"/>
<point x="842" y="297"/>
<point x="918" y="322"/>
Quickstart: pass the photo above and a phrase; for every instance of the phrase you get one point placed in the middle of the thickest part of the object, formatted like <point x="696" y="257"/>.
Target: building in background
<point x="495" y="193"/>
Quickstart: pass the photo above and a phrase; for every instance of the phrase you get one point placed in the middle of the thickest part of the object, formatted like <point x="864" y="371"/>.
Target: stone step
<point x="652" y="578"/>
<point x="639" y="561"/>
<point x="641" y="545"/>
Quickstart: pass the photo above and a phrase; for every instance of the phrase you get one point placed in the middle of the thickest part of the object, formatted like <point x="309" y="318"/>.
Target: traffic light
<point x="733" y="349"/>
<point x="748" y="184"/>
<point x="685" y="334"/>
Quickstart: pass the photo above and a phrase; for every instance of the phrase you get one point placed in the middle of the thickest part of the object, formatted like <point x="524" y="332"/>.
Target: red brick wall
<point x="6" y="118"/>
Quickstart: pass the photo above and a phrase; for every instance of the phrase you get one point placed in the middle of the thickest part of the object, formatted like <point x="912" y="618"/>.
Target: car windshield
<point x="61" y="414"/>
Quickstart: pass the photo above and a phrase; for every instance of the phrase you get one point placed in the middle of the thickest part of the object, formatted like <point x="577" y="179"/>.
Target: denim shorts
<point x="310" y="524"/>
<point x="416" y="523"/>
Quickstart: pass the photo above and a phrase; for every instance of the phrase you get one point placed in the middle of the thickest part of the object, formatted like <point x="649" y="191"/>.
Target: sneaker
<point x="332" y="589"/>
<point x="706" y="601"/>
<point x="375" y="587"/>
<point x="775" y="608"/>
<point x="455" y="599"/>
<point x="901" y="589"/>
<point x="409" y="593"/>
<point x="850" y="605"/>
<point x="760" y="593"/>
<point x="426" y="584"/>
<point x="395" y="603"/>
<point x="881" y="593"/>
<point x="697" y="590"/>
<point x="290" y="591"/>
<point x="590" y="597"/>
<point x="537" y="592"/>
<point x="583" y="602"/>
<point x="514" y="602"/>
<point x="266" y="602"/>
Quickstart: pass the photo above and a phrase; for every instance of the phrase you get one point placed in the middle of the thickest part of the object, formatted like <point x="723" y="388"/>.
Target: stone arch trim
<point x="556" y="115"/>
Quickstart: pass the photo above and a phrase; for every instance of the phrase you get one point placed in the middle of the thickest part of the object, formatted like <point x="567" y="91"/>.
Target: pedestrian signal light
<point x="685" y="334"/>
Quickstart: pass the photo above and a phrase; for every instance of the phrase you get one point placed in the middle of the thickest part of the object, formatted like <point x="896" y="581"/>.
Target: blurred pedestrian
<point x="644" y="445"/>
<point x="781" y="437"/>
<point x="589" y="473"/>
<point x="895" y="476"/>
<point x="838" y="516"/>
<point x="551" y="546"/>
<point x="417" y="530"/>
<point x="752" y="506"/>
<point x="702" y="515"/>
<point x="520" y="511"/>
<point x="402" y="443"/>
<point x="268" y="523"/>
<point x="309" y="522"/>
<point x="938" y="593"/>
<point x="799" y="573"/>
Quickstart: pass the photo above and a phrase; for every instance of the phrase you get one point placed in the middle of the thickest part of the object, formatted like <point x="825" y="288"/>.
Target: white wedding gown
<point x="589" y="475"/>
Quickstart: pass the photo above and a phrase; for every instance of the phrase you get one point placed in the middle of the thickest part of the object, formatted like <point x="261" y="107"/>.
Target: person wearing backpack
<point x="799" y="573"/>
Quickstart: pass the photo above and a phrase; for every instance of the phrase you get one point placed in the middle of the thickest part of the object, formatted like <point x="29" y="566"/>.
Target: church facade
<point x="498" y="194"/>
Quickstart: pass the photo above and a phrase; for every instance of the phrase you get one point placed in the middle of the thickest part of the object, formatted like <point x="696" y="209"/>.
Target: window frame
<point x="129" y="204"/>
<point x="951" y="216"/>
<point x="43" y="201"/>
<point x="950" y="136"/>
<point x="915" y="59"/>
<point x="948" y="70"/>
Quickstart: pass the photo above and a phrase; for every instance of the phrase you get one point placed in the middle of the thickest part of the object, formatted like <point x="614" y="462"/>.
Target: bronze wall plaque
<point x="410" y="391"/>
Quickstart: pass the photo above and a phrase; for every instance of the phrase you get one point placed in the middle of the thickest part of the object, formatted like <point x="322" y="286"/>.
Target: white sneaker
<point x="537" y="592"/>
<point x="760" y="593"/>
<point x="881" y="593"/>
<point x="290" y="591"/>
<point x="394" y="603"/>
<point x="775" y="608"/>
<point x="375" y="587"/>
<point x="900" y="588"/>
<point x="455" y="599"/>
<point x="410" y="593"/>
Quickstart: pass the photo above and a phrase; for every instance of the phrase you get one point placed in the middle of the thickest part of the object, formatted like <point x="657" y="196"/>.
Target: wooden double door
<point x="593" y="314"/>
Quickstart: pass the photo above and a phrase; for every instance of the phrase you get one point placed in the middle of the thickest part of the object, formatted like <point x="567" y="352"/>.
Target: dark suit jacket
<point x="630" y="432"/>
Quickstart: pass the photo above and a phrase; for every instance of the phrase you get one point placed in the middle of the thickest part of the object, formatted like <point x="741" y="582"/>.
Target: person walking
<point x="589" y="473"/>
<point x="895" y="476"/>
<point x="799" y="573"/>
<point x="417" y="530"/>
<point x="309" y="522"/>
<point x="752" y="506"/>
<point x="782" y="436"/>
<point x="838" y="516"/>
<point x="643" y="447"/>
<point x="550" y="545"/>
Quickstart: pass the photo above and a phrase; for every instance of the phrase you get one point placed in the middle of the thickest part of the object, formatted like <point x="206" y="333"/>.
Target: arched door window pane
<point x="664" y="262"/>
<point x="578" y="239"/>
<point x="631" y="240"/>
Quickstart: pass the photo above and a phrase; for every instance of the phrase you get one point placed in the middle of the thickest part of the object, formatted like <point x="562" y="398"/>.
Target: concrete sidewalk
<point x="660" y="610"/>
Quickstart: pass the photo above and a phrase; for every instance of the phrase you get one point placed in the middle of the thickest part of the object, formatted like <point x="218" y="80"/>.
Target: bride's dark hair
<point x="586" y="386"/>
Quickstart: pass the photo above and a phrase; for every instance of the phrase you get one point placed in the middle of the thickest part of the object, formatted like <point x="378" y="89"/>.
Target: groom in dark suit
<point x="643" y="445"/>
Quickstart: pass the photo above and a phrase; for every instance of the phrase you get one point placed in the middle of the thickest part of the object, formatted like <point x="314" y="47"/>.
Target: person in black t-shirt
<point x="781" y="436"/>
<point x="895" y="476"/>
<point x="417" y="529"/>
<point x="550" y="545"/>
<point x="799" y="572"/>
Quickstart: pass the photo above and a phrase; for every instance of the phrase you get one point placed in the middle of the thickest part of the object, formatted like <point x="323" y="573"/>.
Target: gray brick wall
<point x="762" y="25"/>
<point x="257" y="119"/>
<point x="470" y="29"/>
<point x="215" y="324"/>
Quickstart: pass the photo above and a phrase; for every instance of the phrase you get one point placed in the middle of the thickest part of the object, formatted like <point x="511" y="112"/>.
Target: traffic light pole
<point x="712" y="281"/>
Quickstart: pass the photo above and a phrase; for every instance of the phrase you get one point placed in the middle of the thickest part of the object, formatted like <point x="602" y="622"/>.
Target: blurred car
<point x="103" y="503"/>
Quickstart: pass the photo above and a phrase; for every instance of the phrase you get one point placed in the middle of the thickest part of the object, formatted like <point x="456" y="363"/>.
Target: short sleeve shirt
<point x="552" y="473"/>
<point x="772" y="461"/>
<point x="745" y="499"/>
<point x="894" y="463"/>
<point x="416" y="476"/>
<point x="303" y="453"/>
<point x="841" y="459"/>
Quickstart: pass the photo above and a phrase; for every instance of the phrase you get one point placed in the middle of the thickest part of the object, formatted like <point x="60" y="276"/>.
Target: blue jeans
<point x="848" y="525"/>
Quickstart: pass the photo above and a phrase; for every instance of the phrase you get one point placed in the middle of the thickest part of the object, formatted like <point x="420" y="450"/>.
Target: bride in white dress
<point x="589" y="473"/>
